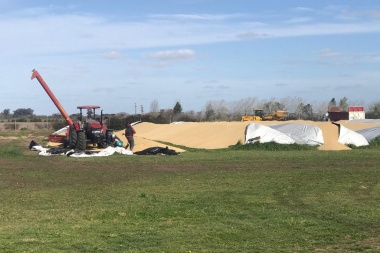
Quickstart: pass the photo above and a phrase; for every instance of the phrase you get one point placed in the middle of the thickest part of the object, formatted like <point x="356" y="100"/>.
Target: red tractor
<point x="81" y="132"/>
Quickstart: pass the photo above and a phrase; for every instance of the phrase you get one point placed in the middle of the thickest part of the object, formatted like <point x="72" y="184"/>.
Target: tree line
<point x="218" y="110"/>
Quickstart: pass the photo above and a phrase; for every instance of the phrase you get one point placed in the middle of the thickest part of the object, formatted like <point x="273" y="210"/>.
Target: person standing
<point x="129" y="132"/>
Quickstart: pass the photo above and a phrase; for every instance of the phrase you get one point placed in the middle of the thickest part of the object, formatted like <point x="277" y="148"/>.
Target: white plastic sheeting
<point x="363" y="121"/>
<point x="72" y="153"/>
<point x="284" y="134"/>
<point x="301" y="133"/>
<point x="358" y="138"/>
<point x="348" y="136"/>
<point x="62" y="130"/>
<point x="370" y="133"/>
<point x="256" y="132"/>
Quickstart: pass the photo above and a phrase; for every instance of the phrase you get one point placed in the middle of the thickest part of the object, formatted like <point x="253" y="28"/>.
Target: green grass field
<point x="200" y="201"/>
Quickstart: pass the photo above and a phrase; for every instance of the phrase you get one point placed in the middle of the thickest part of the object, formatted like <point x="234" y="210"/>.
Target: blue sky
<point x="118" y="53"/>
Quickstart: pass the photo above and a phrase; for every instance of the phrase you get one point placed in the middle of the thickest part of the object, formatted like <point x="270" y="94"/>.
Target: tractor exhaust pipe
<point x="52" y="97"/>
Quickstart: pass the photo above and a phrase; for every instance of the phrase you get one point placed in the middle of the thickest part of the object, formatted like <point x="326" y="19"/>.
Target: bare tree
<point x="319" y="108"/>
<point x="244" y="106"/>
<point x="221" y="110"/>
<point x="154" y="107"/>
<point x="166" y="115"/>
<point x="291" y="103"/>
<point x="373" y="111"/>
<point x="271" y="106"/>
<point x="209" y="112"/>
<point x="356" y="103"/>
<point x="304" y="111"/>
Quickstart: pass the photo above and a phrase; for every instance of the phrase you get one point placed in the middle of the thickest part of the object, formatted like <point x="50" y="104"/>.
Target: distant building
<point x="335" y="114"/>
<point x="356" y="112"/>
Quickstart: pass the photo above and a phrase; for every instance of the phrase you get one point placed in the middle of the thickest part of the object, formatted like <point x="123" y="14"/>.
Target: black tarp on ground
<point x="157" y="151"/>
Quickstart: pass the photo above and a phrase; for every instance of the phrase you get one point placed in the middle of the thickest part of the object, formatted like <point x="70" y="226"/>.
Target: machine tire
<point x="73" y="137"/>
<point x="81" y="144"/>
<point x="65" y="142"/>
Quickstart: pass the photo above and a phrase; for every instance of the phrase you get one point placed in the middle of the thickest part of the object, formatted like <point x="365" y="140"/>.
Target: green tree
<point x="343" y="104"/>
<point x="332" y="103"/>
<point x="177" y="108"/>
<point x="6" y="112"/>
<point x="22" y="112"/>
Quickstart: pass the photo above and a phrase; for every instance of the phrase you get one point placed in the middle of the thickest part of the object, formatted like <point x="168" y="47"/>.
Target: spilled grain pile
<point x="214" y="135"/>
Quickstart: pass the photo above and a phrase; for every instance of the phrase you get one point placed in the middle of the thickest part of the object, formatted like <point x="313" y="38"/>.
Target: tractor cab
<point x="94" y="128"/>
<point x="258" y="113"/>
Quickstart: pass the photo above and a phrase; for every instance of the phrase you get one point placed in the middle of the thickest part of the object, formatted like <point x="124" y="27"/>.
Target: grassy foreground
<point x="199" y="201"/>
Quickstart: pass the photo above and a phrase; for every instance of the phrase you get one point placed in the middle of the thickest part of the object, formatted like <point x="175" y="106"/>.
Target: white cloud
<point x="251" y="36"/>
<point x="198" y="17"/>
<point x="299" y="20"/>
<point x="68" y="33"/>
<point x="179" y="54"/>
<point x="223" y="87"/>
<point x="113" y="55"/>
<point x="302" y="9"/>
<point x="328" y="53"/>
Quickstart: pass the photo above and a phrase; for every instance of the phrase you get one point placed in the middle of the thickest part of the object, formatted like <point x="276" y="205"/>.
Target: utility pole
<point x="135" y="108"/>
<point x="142" y="110"/>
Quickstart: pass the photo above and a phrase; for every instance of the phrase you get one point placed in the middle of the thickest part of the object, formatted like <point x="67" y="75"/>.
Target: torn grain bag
<point x="157" y="151"/>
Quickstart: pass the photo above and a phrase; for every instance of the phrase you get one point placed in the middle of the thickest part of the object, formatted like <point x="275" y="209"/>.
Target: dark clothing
<point x="129" y="132"/>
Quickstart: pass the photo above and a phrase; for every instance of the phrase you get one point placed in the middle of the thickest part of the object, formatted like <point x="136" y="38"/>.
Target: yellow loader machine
<point x="277" y="115"/>
<point x="258" y="115"/>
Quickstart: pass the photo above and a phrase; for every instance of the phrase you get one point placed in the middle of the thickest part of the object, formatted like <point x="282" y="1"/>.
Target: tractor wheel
<point x="73" y="137"/>
<point x="65" y="142"/>
<point x="81" y="145"/>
